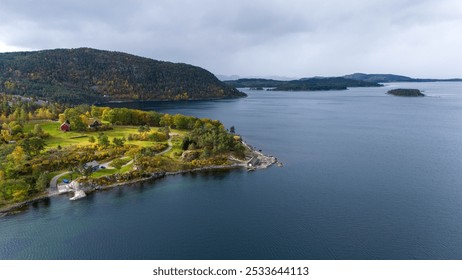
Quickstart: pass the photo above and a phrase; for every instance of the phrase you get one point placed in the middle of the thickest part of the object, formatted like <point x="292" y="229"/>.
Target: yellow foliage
<point x="62" y="118"/>
<point x="18" y="156"/>
<point x="19" y="195"/>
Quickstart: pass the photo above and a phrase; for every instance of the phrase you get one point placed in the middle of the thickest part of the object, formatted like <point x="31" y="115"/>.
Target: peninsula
<point x="49" y="148"/>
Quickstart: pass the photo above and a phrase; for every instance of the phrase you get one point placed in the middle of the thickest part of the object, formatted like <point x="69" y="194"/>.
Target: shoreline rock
<point x="81" y="191"/>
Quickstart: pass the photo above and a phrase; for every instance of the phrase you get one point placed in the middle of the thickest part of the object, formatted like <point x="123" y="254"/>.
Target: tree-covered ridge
<point x="305" y="84"/>
<point x="87" y="75"/>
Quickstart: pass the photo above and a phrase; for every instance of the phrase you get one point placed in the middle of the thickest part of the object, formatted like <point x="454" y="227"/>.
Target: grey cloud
<point x="286" y="38"/>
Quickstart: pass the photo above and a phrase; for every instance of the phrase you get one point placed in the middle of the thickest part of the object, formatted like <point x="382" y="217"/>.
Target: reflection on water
<point x="41" y="203"/>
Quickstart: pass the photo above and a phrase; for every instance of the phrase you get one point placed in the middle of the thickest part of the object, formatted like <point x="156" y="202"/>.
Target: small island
<point x="405" y="92"/>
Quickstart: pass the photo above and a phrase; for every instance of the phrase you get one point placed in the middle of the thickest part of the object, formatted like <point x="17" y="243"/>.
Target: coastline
<point x="265" y="161"/>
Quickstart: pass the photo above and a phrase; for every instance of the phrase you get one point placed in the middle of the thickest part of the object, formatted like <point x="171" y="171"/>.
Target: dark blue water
<point x="365" y="176"/>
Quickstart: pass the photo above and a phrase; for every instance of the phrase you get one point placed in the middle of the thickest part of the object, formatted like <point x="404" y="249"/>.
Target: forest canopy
<point x="84" y="75"/>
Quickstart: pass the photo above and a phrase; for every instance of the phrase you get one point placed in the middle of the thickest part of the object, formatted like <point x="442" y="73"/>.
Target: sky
<point x="252" y="38"/>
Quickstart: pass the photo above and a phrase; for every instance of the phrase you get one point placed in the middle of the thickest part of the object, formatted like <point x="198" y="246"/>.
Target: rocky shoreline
<point x="264" y="161"/>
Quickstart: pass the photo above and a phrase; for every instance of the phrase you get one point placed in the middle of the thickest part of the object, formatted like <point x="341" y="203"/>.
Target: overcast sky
<point x="291" y="38"/>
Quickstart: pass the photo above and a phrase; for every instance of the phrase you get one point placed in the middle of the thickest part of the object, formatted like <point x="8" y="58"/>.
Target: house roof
<point x="95" y="123"/>
<point x="92" y="164"/>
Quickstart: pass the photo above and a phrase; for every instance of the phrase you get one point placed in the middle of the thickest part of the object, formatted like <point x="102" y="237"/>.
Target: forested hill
<point x="305" y="84"/>
<point x="87" y="75"/>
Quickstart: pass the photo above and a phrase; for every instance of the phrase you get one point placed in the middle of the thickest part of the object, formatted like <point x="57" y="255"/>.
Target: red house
<point x="66" y="126"/>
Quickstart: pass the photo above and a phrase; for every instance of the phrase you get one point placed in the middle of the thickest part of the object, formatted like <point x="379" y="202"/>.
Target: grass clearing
<point x="69" y="176"/>
<point x="63" y="139"/>
<point x="103" y="172"/>
<point x="126" y="168"/>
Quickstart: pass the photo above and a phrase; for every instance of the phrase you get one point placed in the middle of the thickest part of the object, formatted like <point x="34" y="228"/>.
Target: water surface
<point x="365" y="176"/>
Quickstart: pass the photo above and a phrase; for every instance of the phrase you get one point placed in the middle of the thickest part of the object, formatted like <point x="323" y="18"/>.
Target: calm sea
<point x="365" y="176"/>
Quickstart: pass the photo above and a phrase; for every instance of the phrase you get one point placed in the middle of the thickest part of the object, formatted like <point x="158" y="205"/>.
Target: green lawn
<point x="69" y="177"/>
<point x="58" y="137"/>
<point x="124" y="161"/>
<point x="103" y="172"/>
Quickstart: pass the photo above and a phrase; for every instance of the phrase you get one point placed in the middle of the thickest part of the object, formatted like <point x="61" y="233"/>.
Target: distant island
<point x="406" y="92"/>
<point x="87" y="76"/>
<point x="328" y="83"/>
<point x="391" y="78"/>
<point x="305" y="84"/>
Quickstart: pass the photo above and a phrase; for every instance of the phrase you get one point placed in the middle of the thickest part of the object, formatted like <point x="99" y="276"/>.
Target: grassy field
<point x="60" y="138"/>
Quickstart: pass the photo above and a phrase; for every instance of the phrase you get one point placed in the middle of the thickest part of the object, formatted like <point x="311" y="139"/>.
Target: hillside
<point x="87" y="75"/>
<point x="305" y="84"/>
<point x="389" y="78"/>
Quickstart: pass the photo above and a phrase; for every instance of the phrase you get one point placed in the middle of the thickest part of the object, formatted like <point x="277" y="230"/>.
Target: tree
<point x="18" y="156"/>
<point x="180" y="121"/>
<point x="42" y="182"/>
<point x="166" y="120"/>
<point x="108" y="115"/>
<point x="6" y="135"/>
<point x="118" y="142"/>
<point x="103" y="140"/>
<point x="25" y="145"/>
<point x="23" y="116"/>
<point x="84" y="170"/>
<point x="15" y="128"/>
<point x="62" y="118"/>
<point x="36" y="145"/>
<point x="185" y="143"/>
<point x="91" y="139"/>
<point x="165" y="130"/>
<point x="77" y="119"/>
<point x="144" y="128"/>
<point x="38" y="130"/>
<point x="97" y="112"/>
<point x="118" y="163"/>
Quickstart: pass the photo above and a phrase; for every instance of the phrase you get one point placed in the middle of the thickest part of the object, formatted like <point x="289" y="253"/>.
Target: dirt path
<point x="170" y="145"/>
<point x="54" y="181"/>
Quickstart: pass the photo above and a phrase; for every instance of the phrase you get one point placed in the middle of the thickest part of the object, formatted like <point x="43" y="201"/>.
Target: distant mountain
<point x="226" y="77"/>
<point x="87" y="75"/>
<point x="389" y="78"/>
<point x="305" y="84"/>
